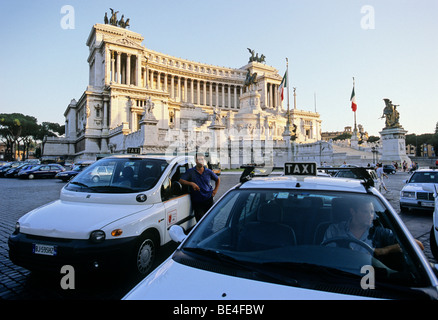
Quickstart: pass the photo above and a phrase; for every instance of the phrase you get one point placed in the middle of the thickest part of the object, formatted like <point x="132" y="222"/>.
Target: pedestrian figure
<point x="381" y="174"/>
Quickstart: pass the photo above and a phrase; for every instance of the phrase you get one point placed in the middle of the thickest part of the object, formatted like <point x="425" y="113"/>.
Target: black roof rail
<point x="361" y="173"/>
<point x="253" y="169"/>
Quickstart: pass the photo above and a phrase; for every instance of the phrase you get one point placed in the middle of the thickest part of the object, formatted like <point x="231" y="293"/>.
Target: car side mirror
<point x="177" y="233"/>
<point x="176" y="188"/>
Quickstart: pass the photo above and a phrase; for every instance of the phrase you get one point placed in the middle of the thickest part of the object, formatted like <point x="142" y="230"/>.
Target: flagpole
<point x="355" y="127"/>
<point x="287" y="84"/>
<point x="287" y="87"/>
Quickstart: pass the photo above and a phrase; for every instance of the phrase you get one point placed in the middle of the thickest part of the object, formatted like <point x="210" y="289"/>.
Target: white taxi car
<point x="107" y="218"/>
<point x="294" y="237"/>
<point x="419" y="190"/>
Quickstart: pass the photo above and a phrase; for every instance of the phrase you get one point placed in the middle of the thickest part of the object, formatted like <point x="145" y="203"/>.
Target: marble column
<point x="119" y="75"/>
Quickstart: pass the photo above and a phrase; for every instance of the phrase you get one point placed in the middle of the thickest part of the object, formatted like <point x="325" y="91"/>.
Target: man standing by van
<point x="201" y="193"/>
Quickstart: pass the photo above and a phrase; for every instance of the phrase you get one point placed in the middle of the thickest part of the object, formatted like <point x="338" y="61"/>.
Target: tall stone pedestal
<point x="394" y="146"/>
<point x="149" y="132"/>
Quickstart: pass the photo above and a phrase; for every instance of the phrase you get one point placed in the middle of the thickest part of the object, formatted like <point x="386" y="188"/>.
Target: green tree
<point x="15" y="128"/>
<point x="373" y="139"/>
<point x="343" y="136"/>
<point x="48" y="129"/>
<point x="418" y="140"/>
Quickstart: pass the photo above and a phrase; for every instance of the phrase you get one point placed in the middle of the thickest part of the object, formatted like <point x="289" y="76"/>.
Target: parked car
<point x="355" y="173"/>
<point x="418" y="192"/>
<point x="41" y="171"/>
<point x="13" y="172"/>
<point x="107" y="223"/>
<point x="389" y="168"/>
<point x="9" y="166"/>
<point x="77" y="167"/>
<point x="293" y="237"/>
<point x="100" y="173"/>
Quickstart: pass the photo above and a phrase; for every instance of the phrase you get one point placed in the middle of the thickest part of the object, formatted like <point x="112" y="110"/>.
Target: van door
<point x="176" y="201"/>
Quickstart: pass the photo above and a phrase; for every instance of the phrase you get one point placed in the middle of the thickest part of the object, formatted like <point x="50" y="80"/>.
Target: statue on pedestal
<point x="391" y="114"/>
<point x="250" y="79"/>
<point x="148" y="110"/>
<point x="216" y="117"/>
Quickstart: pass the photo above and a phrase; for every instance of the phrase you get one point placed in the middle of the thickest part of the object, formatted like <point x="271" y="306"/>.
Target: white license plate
<point x="44" y="249"/>
<point x="428" y="204"/>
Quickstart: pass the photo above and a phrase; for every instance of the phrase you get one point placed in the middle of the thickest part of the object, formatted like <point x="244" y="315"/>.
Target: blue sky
<point x="390" y="47"/>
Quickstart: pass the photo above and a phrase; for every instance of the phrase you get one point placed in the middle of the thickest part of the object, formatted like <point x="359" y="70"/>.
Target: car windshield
<point x="424" y="177"/>
<point x="284" y="234"/>
<point x="115" y="175"/>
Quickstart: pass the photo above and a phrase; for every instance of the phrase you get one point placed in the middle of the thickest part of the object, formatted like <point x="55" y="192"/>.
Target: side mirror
<point x="176" y="188"/>
<point x="177" y="233"/>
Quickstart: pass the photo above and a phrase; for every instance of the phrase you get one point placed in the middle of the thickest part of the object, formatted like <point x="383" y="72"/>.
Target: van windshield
<point x="115" y="175"/>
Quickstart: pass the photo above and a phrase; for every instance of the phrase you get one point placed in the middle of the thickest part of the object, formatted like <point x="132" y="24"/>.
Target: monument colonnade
<point x="182" y="80"/>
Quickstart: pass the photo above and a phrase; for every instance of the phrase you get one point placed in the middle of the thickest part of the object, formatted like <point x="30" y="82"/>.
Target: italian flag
<point x="353" y="101"/>
<point x="283" y="84"/>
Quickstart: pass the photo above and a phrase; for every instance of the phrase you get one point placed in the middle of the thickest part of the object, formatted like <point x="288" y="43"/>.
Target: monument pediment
<point x="125" y="41"/>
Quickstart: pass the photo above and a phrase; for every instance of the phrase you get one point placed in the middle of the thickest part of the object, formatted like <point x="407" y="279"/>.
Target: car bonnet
<point x="175" y="281"/>
<point x="73" y="220"/>
<point x="413" y="186"/>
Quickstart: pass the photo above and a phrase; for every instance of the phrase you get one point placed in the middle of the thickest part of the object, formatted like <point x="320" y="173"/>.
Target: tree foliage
<point x="343" y="136"/>
<point x="19" y="132"/>
<point x="427" y="138"/>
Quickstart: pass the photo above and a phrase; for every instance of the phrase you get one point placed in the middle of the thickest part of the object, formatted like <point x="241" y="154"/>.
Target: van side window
<point x="169" y="189"/>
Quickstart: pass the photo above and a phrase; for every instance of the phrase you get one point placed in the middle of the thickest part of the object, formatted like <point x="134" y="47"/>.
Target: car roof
<point x="168" y="158"/>
<point x="305" y="183"/>
<point x="426" y="170"/>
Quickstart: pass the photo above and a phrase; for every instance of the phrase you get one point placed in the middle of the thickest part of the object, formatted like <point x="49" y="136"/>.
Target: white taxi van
<point x="294" y="237"/>
<point x="116" y="212"/>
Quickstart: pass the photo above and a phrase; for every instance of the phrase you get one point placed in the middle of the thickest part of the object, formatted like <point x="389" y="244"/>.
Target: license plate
<point x="428" y="204"/>
<point x="44" y="249"/>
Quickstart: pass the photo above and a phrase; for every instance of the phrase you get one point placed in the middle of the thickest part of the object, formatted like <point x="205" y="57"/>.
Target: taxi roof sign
<point x="300" y="168"/>
<point x="133" y="150"/>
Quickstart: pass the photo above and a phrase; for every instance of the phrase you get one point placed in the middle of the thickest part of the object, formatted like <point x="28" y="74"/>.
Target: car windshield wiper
<point x="111" y="189"/>
<point x="254" y="268"/>
<point x="79" y="184"/>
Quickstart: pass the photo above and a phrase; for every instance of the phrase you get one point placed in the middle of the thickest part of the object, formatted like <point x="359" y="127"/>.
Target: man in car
<point x="360" y="227"/>
<point x="202" y="192"/>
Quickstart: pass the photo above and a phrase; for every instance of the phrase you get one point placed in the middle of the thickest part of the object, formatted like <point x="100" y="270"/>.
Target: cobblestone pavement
<point x="18" y="197"/>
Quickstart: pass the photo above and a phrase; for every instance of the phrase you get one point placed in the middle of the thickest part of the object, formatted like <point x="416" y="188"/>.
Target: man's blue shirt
<point x="203" y="181"/>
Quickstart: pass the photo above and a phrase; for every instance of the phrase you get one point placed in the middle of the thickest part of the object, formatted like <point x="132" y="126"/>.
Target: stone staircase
<point x="351" y="156"/>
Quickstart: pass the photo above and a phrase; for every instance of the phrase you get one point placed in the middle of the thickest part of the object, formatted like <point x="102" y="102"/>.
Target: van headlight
<point x="17" y="228"/>
<point x="97" y="236"/>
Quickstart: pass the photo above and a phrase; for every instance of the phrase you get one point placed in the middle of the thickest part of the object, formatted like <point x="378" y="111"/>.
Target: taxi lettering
<point x="300" y="168"/>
